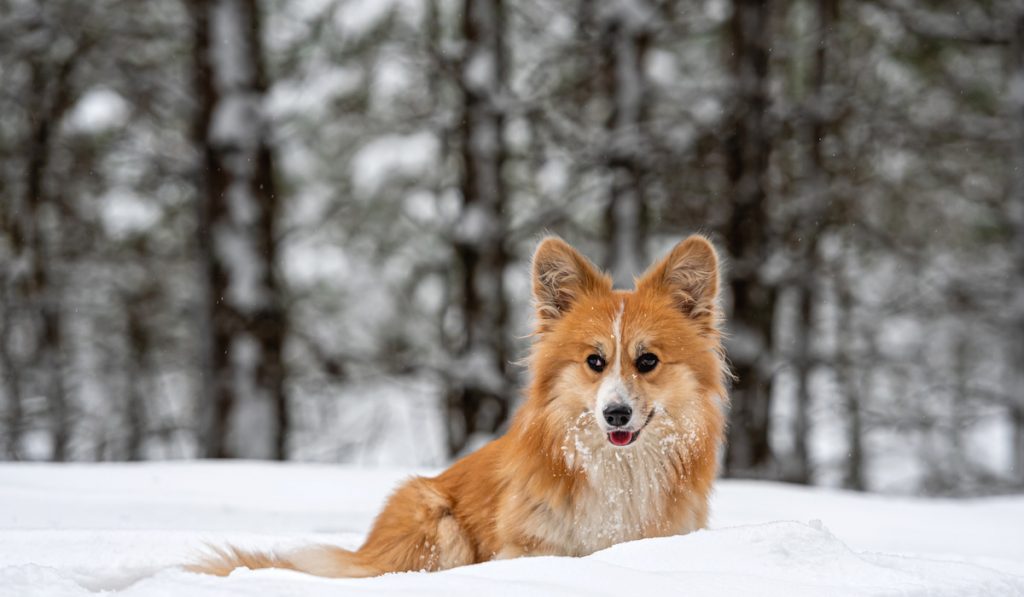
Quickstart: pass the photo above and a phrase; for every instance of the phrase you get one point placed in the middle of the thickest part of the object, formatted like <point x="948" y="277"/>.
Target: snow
<point x="233" y="68"/>
<point x="481" y="72"/>
<point x="123" y="213"/>
<point x="100" y="110"/>
<point x="236" y="246"/>
<point x="73" y="530"/>
<point x="391" y="156"/>
<point x="236" y="123"/>
<point x="360" y="16"/>
<point x="255" y="417"/>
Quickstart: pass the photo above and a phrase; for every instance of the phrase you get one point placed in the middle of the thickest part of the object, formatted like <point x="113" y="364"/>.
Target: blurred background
<point x="301" y="229"/>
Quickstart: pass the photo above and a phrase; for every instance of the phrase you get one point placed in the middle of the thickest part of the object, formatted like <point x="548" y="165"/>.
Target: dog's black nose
<point x="618" y="415"/>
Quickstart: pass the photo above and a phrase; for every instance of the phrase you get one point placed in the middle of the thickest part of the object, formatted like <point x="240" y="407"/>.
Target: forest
<point x="301" y="230"/>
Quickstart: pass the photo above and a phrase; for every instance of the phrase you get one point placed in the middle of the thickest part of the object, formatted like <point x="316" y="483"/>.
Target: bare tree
<point x="810" y="220"/>
<point x="747" y="237"/>
<point x="479" y="395"/>
<point x="851" y="390"/>
<point x="1017" y="211"/>
<point x="244" y="407"/>
<point x="137" y="367"/>
<point x="34" y="237"/>
<point x="625" y="33"/>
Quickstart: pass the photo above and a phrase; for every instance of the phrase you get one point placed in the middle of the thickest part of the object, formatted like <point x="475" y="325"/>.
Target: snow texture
<point x="392" y="156"/>
<point x="74" y="530"/>
<point x="99" y="110"/>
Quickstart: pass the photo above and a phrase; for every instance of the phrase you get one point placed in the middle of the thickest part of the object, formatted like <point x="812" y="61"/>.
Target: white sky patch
<point x="99" y="110"/>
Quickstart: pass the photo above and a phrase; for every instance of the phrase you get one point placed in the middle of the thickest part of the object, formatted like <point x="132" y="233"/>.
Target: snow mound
<point x="120" y="529"/>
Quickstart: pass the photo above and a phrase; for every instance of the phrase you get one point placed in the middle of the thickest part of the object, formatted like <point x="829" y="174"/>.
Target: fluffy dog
<point x="617" y="439"/>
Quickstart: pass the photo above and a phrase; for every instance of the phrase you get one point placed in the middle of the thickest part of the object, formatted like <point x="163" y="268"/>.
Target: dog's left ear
<point x="690" y="275"/>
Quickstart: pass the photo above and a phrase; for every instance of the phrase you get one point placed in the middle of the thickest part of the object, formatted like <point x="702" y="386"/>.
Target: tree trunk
<point x="1017" y="421"/>
<point x="747" y="237"/>
<point x="34" y="287"/>
<point x="479" y="396"/>
<point x="137" y="370"/>
<point x="13" y="408"/>
<point x="849" y="392"/>
<point x="625" y="35"/>
<point x="244" y="407"/>
<point x="800" y="468"/>
<point x="808" y="231"/>
<point x="1017" y="208"/>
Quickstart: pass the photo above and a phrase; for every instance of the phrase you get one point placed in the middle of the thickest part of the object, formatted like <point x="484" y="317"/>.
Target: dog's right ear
<point x="561" y="275"/>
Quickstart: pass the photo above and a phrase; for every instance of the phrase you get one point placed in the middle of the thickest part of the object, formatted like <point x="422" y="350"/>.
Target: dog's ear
<point x="561" y="275"/>
<point x="689" y="274"/>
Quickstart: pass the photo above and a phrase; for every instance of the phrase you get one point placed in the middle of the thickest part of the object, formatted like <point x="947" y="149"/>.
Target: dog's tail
<point x="319" y="560"/>
<point x="417" y="530"/>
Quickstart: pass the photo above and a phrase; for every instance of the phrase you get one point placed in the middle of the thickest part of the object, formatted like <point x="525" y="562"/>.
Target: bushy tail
<point x="417" y="530"/>
<point x="320" y="560"/>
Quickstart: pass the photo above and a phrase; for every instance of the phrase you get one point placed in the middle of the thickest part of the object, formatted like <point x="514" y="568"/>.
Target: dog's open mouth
<point x="622" y="437"/>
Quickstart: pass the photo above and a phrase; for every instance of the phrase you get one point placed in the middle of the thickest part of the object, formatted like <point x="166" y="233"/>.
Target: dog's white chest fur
<point x="625" y="499"/>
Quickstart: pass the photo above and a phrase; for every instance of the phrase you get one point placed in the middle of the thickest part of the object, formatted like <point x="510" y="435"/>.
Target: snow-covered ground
<point x="80" y="529"/>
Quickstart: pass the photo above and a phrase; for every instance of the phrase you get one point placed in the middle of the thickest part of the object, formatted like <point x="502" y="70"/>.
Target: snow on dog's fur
<point x="616" y="441"/>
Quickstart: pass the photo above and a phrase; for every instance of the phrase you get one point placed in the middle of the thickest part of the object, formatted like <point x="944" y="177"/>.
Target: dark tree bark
<point x="139" y="345"/>
<point x="625" y="35"/>
<point x="811" y="218"/>
<point x="479" y="396"/>
<point x="1017" y="208"/>
<point x="747" y="238"/>
<point x="850" y="392"/>
<point x="33" y="288"/>
<point x="244" y="407"/>
<point x="13" y="407"/>
<point x="800" y="468"/>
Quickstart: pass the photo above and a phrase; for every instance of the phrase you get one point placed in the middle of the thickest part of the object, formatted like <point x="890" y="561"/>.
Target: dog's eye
<point x="596" y="362"/>
<point x="646" y="362"/>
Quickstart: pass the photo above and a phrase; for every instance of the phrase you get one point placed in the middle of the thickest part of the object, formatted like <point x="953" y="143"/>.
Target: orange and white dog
<point x="616" y="441"/>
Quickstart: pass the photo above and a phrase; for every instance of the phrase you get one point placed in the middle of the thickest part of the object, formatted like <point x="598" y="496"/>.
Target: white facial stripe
<point x="617" y="337"/>
<point x="612" y="389"/>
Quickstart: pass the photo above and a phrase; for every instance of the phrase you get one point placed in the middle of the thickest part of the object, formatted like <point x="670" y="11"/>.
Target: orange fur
<point x="554" y="484"/>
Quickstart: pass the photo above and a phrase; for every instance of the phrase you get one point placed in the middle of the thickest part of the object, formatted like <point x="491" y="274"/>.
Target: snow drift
<point x="74" y="530"/>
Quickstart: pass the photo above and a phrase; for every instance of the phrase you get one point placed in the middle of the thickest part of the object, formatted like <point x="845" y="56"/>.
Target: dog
<point x="617" y="439"/>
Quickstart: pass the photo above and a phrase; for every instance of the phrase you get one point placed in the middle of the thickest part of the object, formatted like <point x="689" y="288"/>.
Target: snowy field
<point x="84" y="529"/>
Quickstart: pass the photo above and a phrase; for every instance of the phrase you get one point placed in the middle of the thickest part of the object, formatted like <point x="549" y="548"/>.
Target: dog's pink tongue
<point x="620" y="438"/>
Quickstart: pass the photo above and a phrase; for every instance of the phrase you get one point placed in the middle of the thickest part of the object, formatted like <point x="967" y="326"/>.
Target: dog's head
<point x="627" y="370"/>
